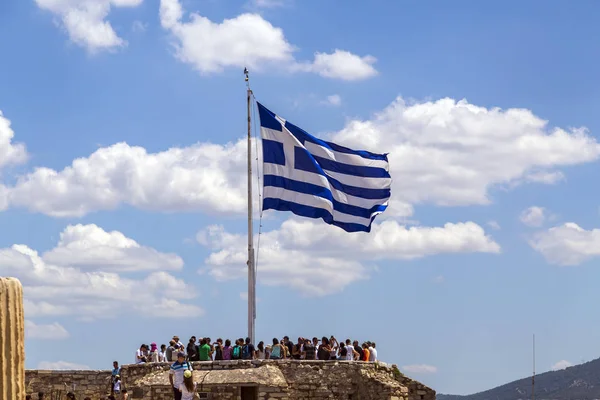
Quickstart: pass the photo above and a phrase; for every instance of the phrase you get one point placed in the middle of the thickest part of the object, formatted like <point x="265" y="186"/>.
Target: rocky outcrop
<point x="12" y="340"/>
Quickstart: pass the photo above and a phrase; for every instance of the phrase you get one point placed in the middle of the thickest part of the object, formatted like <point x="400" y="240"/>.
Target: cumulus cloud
<point x="62" y="289"/>
<point x="317" y="259"/>
<point x="53" y="331"/>
<point x="85" y="21"/>
<point x="10" y="152"/>
<point x="91" y="247"/>
<point x="249" y="40"/>
<point x="420" y="369"/>
<point x="200" y="177"/>
<point x="269" y="3"/>
<point x="533" y="216"/>
<point x="449" y="152"/>
<point x="562" y="364"/>
<point x="343" y="65"/>
<point x="445" y="153"/>
<point x="61" y="365"/>
<point x="567" y="245"/>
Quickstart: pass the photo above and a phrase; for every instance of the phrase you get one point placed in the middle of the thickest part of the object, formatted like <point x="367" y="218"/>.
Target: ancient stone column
<point x="12" y="340"/>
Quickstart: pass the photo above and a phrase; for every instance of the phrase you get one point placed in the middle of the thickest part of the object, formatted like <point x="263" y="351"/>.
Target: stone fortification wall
<point x="12" y="340"/>
<point x="56" y="384"/>
<point x="229" y="380"/>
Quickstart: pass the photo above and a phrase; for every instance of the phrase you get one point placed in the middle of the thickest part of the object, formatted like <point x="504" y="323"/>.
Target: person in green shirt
<point x="205" y="352"/>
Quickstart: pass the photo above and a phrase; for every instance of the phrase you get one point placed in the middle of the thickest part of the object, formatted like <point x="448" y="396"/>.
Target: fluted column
<point x="12" y="340"/>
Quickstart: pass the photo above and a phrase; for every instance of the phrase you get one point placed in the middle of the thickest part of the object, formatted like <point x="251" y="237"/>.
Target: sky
<point x="123" y="178"/>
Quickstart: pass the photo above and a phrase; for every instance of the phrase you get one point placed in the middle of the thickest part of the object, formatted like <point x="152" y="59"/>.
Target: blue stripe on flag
<point x="315" y="190"/>
<point x="347" y="169"/>
<point x="305" y="162"/>
<point x="273" y="152"/>
<point x="312" y="212"/>
<point x="267" y="118"/>
<point x="303" y="136"/>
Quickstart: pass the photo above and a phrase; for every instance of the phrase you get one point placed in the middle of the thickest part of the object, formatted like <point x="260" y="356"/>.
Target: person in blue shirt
<point x="176" y="374"/>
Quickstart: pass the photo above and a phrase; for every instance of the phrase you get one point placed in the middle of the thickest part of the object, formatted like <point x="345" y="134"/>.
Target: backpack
<point x="246" y="352"/>
<point x="236" y="353"/>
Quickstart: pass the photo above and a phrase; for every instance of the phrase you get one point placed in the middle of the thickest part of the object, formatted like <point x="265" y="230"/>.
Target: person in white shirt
<point x="140" y="354"/>
<point x="162" y="354"/>
<point x="372" y="352"/>
<point x="188" y="387"/>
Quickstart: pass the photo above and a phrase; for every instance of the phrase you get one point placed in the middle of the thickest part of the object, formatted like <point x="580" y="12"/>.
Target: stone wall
<point x="234" y="380"/>
<point x="56" y="384"/>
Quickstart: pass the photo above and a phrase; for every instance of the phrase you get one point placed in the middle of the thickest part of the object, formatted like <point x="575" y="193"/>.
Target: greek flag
<point x="317" y="179"/>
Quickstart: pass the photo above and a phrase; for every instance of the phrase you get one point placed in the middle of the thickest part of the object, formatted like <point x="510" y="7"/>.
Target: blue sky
<point x="123" y="185"/>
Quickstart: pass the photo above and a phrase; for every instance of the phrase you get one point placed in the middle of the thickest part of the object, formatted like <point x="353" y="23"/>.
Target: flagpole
<point x="250" y="263"/>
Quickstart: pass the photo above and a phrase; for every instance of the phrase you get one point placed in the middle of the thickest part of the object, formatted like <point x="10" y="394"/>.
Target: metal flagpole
<point x="250" y="262"/>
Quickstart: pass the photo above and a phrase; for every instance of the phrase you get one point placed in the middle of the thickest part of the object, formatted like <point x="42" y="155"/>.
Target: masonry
<point x="244" y="380"/>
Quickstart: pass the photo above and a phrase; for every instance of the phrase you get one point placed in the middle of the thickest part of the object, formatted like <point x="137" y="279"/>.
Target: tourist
<point x="315" y="343"/>
<point x="140" y="355"/>
<point x="124" y="394"/>
<point x="297" y="349"/>
<point x="117" y="385"/>
<point x="359" y="350"/>
<point x="70" y="396"/>
<point x="373" y="351"/>
<point x="324" y="351"/>
<point x="115" y="372"/>
<point x="236" y="353"/>
<point x="192" y="350"/>
<point x="309" y="351"/>
<point x="248" y="350"/>
<point x="218" y="349"/>
<point x="176" y="374"/>
<point x="188" y="387"/>
<point x="162" y="354"/>
<point x="227" y="350"/>
<point x="260" y="350"/>
<point x="277" y="350"/>
<point x="153" y="352"/>
<point x="334" y="345"/>
<point x="351" y="353"/>
<point x="366" y="352"/>
<point x="205" y="354"/>
<point x="171" y="350"/>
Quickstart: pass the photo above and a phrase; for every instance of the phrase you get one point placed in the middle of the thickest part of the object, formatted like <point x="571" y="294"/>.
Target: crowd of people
<point x="204" y="349"/>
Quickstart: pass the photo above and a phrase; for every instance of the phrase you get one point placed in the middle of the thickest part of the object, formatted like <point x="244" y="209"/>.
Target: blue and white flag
<point x="318" y="179"/>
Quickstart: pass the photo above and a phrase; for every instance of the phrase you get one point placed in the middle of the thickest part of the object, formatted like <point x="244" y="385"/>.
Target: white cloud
<point x="85" y="21"/>
<point x="10" y="152"/>
<point x="249" y="40"/>
<point x="568" y="244"/>
<point x="333" y="100"/>
<point x="449" y="152"/>
<point x="200" y="177"/>
<point x="547" y="177"/>
<point x="475" y="150"/>
<point x="61" y="289"/>
<point x="61" y="365"/>
<point x="318" y="259"/>
<point x="420" y="369"/>
<point x="494" y="225"/>
<point x="53" y="331"/>
<point x="562" y="364"/>
<point x="91" y="247"/>
<point x="533" y="216"/>
<point x="343" y="65"/>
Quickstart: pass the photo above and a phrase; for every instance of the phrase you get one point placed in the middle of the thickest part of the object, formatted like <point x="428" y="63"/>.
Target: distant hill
<point x="580" y="382"/>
